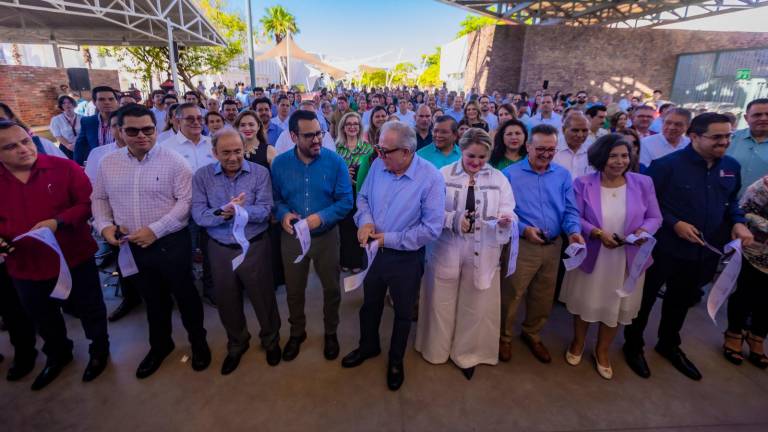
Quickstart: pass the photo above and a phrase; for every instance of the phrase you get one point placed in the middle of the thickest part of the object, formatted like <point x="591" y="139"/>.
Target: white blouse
<point x="63" y="127"/>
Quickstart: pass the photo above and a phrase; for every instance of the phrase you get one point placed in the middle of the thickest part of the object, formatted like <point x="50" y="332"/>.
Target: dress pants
<point x="199" y="237"/>
<point x="534" y="280"/>
<point x="400" y="272"/>
<point x="86" y="300"/>
<point x="324" y="253"/>
<point x="165" y="269"/>
<point x="748" y="305"/>
<point x="684" y="280"/>
<point x="352" y="255"/>
<point x="21" y="330"/>
<point x="254" y="276"/>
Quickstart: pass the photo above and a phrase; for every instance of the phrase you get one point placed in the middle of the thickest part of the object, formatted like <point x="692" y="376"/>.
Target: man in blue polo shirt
<point x="697" y="189"/>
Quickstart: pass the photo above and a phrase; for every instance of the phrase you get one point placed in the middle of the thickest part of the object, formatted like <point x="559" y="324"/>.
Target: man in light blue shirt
<point x="263" y="108"/>
<point x="545" y="207"/>
<point x="457" y="109"/>
<point x="546" y="115"/>
<point x="215" y="188"/>
<point x="311" y="183"/>
<point x="443" y="150"/>
<point x="749" y="146"/>
<point x="401" y="206"/>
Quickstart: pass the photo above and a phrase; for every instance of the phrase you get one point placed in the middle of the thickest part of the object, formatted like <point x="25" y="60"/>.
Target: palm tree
<point x="278" y="23"/>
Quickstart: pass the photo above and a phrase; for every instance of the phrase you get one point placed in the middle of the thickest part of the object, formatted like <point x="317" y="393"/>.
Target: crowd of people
<point x="465" y="203"/>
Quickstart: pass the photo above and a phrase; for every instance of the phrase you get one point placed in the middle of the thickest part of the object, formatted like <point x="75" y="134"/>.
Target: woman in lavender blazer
<point x="614" y="203"/>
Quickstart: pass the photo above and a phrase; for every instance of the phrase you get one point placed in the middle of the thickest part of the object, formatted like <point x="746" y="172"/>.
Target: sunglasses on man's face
<point x="133" y="132"/>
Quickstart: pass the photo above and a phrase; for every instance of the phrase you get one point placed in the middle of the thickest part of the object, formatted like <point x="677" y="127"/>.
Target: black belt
<point x="391" y="251"/>
<point x="237" y="245"/>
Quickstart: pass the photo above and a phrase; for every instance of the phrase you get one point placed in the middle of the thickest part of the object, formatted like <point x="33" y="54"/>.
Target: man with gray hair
<point x="573" y="145"/>
<point x="672" y="137"/>
<point x="401" y="206"/>
<point x="216" y="189"/>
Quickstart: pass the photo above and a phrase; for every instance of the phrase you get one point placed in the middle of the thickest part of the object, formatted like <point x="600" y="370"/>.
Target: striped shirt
<point x="155" y="192"/>
<point x="354" y="156"/>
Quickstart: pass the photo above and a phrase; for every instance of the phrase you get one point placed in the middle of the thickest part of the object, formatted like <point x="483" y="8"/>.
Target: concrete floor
<point x="312" y="394"/>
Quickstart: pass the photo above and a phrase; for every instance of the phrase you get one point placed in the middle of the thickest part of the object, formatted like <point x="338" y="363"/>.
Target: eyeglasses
<point x="544" y="150"/>
<point x="313" y="135"/>
<point x="718" y="137"/>
<point x="132" y="132"/>
<point x="192" y="119"/>
<point x="383" y="153"/>
<point x="352" y="124"/>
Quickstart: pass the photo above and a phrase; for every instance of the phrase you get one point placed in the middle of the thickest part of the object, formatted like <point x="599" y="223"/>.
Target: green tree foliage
<point x="277" y="23"/>
<point x="374" y="79"/>
<point x="473" y="23"/>
<point x="193" y="61"/>
<point x="430" y="77"/>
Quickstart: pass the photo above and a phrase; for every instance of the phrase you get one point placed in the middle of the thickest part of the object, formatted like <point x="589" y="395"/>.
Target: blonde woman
<point x="460" y="303"/>
<point x="351" y="147"/>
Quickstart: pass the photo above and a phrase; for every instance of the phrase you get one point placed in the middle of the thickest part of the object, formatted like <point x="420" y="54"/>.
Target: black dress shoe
<point x="274" y="354"/>
<point x="231" y="362"/>
<point x="21" y="366"/>
<point x="331" y="348"/>
<point x="395" y="376"/>
<point x="468" y="372"/>
<point x="636" y="362"/>
<point x="201" y="358"/>
<point x="356" y="358"/>
<point x="152" y="362"/>
<point x="49" y="373"/>
<point x="677" y="357"/>
<point x="124" y="308"/>
<point x="292" y="348"/>
<point x="96" y="366"/>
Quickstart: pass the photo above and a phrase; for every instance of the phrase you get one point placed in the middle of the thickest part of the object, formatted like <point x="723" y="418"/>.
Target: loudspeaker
<point x="78" y="79"/>
<point x="545" y="85"/>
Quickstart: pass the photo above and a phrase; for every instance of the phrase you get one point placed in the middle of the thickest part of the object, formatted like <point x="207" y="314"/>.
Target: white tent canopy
<point x="287" y="48"/>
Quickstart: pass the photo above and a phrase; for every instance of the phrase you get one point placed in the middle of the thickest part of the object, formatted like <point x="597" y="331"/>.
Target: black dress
<point x="259" y="156"/>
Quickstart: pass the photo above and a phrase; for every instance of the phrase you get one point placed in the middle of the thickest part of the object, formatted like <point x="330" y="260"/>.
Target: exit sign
<point x="743" y="74"/>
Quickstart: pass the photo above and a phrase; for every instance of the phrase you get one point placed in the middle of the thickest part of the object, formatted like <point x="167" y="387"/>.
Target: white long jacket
<point x="493" y="198"/>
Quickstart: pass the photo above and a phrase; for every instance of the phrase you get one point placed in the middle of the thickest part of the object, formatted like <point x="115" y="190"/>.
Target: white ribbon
<point x="238" y="232"/>
<point x="125" y="260"/>
<point x="64" y="283"/>
<point x="576" y="252"/>
<point x="514" y="246"/>
<point x="302" y="233"/>
<point x="725" y="283"/>
<point x="638" y="264"/>
<point x="354" y="281"/>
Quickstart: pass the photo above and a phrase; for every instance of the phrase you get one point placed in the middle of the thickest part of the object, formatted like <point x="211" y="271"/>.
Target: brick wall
<point x="32" y="91"/>
<point x="599" y="60"/>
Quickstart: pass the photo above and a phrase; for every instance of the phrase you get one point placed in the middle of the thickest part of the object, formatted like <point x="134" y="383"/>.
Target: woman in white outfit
<point x="460" y="302"/>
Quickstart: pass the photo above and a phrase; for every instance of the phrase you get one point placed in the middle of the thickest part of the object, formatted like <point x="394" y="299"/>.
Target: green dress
<point x="500" y="165"/>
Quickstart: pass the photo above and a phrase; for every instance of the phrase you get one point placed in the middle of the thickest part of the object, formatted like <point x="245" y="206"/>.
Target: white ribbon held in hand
<point x="302" y="233"/>
<point x="238" y="232"/>
<point x="64" y="283"/>
<point x="576" y="252"/>
<point x="353" y="282"/>
<point x="726" y="282"/>
<point x="638" y="264"/>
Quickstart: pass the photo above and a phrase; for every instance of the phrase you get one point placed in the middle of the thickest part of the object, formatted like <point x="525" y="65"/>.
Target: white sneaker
<point x="605" y="372"/>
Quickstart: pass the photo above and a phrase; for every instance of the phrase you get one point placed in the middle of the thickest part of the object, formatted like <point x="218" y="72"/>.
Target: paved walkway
<point x="312" y="394"/>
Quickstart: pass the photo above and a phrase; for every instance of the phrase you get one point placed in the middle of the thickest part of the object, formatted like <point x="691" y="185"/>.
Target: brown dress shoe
<point x="505" y="351"/>
<point x="537" y="349"/>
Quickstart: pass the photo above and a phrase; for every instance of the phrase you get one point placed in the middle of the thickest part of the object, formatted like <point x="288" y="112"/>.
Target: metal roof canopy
<point x="612" y="13"/>
<point x="105" y="22"/>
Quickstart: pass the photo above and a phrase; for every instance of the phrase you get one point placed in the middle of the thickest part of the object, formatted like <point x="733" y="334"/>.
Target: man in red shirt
<point x="41" y="191"/>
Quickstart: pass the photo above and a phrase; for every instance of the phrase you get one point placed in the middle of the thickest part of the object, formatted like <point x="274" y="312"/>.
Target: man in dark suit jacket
<point x="94" y="130"/>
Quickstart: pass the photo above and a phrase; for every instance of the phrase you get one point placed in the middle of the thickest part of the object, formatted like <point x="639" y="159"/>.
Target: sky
<point x="350" y="29"/>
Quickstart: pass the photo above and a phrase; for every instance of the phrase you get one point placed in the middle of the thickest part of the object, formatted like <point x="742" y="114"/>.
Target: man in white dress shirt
<point x="197" y="150"/>
<point x="571" y="152"/>
<point x="486" y="114"/>
<point x="672" y="137"/>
